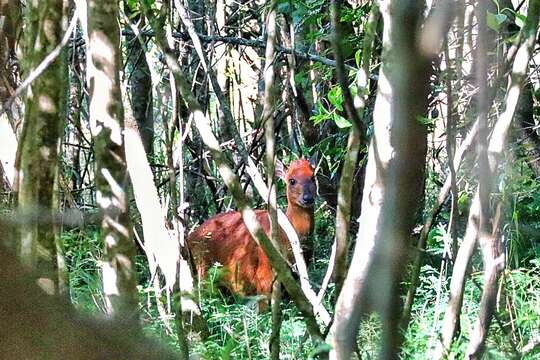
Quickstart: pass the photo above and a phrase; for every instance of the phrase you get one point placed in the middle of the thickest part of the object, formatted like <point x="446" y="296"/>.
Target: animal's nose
<point x="308" y="198"/>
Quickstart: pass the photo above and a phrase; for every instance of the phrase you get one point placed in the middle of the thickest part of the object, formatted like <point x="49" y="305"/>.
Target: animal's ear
<point x="313" y="159"/>
<point x="281" y="171"/>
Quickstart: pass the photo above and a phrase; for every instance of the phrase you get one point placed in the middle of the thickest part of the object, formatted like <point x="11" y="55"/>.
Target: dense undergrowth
<point x="238" y="331"/>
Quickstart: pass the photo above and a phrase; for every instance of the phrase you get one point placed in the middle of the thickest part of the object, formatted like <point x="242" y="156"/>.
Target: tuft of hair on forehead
<point x="300" y="166"/>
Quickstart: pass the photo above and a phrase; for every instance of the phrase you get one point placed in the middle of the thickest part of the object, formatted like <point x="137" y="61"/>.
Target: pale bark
<point x="489" y="238"/>
<point x="486" y="237"/>
<point x="457" y="283"/>
<point x="8" y="147"/>
<point x="393" y="187"/>
<point x="157" y="242"/>
<point x="107" y="125"/>
<point x="451" y="121"/>
<point x="493" y="263"/>
<point x="39" y="142"/>
<point x="270" y="142"/>
<point x="184" y="293"/>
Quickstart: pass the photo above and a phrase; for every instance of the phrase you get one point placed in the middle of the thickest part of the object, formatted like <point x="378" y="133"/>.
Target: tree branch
<point x="251" y="43"/>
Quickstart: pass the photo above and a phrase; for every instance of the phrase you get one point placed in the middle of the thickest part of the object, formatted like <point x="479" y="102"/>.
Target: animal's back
<point x="225" y="238"/>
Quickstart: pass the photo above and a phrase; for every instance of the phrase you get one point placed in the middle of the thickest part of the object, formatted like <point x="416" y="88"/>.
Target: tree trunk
<point x="140" y="86"/>
<point x="270" y="141"/>
<point x="39" y="143"/>
<point x="393" y="188"/>
<point x="488" y="242"/>
<point x="428" y="222"/>
<point x="489" y="239"/>
<point x="107" y="125"/>
<point x="357" y="138"/>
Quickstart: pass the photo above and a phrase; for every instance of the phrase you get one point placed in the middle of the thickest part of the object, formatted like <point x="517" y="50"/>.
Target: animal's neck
<point x="301" y="219"/>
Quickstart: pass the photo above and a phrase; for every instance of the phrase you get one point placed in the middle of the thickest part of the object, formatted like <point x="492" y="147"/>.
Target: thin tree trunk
<point x="451" y="120"/>
<point x="489" y="238"/>
<point x="356" y="140"/>
<point x="8" y="147"/>
<point x="74" y="138"/>
<point x="39" y="143"/>
<point x="277" y="317"/>
<point x="268" y="121"/>
<point x="107" y="125"/>
<point x="393" y="188"/>
<point x="140" y="84"/>
<point x="495" y="151"/>
<point x="156" y="238"/>
<point x="170" y="128"/>
<point x="485" y="181"/>
<point x="428" y="222"/>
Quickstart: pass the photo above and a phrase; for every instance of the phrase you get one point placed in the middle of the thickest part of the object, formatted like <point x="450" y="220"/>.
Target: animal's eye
<point x="292" y="181"/>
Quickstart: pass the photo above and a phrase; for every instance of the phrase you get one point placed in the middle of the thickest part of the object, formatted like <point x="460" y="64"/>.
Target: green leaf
<point x="358" y="58"/>
<point x="520" y="20"/>
<point x="335" y="96"/>
<point x="323" y="115"/>
<point x="426" y="121"/>
<point x="301" y="79"/>
<point x="501" y="18"/>
<point x="436" y="235"/>
<point x="463" y="201"/>
<point x="317" y="119"/>
<point x="537" y="94"/>
<point x="341" y="122"/>
<point x="494" y="21"/>
<point x="347" y="48"/>
<point x="354" y="90"/>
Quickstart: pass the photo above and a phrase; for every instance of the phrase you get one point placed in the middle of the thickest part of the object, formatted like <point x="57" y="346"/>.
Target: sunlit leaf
<point x="335" y="96"/>
<point x="341" y="122"/>
<point x="358" y="57"/>
<point x="520" y="20"/>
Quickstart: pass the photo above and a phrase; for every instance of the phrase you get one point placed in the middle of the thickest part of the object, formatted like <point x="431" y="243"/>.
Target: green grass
<point x="238" y="331"/>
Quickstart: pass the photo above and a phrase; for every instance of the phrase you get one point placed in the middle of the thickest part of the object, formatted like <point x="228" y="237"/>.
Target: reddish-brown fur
<point x="225" y="238"/>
